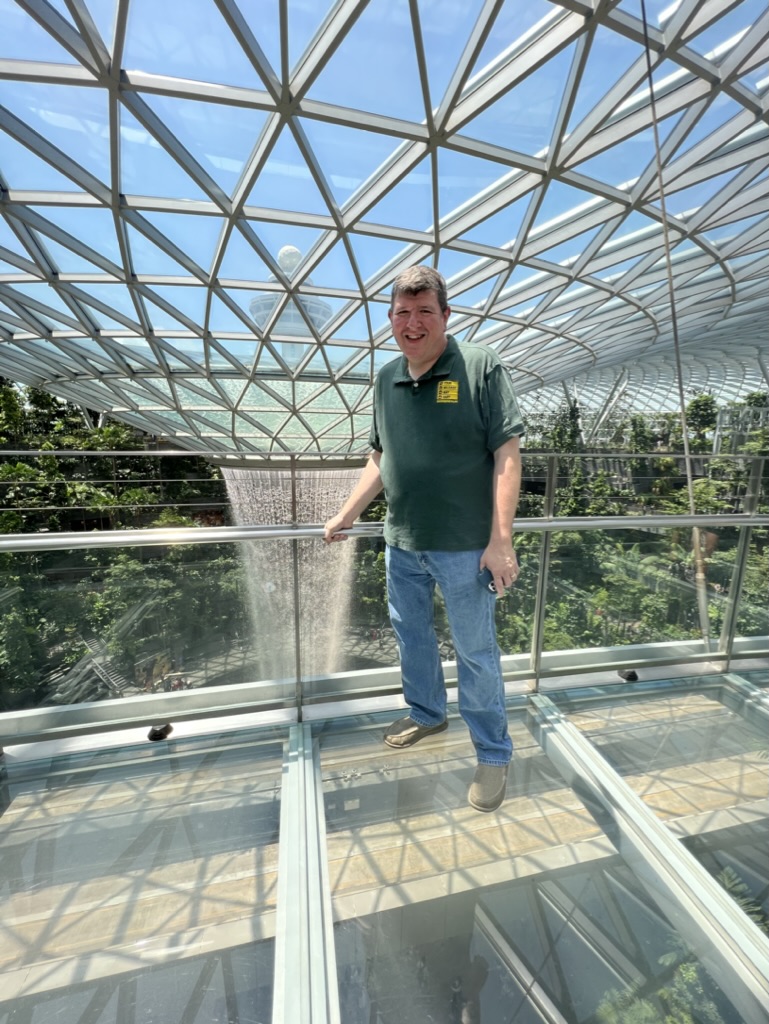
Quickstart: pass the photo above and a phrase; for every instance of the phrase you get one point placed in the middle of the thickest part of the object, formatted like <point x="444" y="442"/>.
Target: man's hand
<point x="368" y="486"/>
<point x="331" y="531"/>
<point x="502" y="563"/>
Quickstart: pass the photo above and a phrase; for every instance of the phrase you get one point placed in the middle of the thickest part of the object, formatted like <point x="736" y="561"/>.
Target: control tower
<point x="290" y="320"/>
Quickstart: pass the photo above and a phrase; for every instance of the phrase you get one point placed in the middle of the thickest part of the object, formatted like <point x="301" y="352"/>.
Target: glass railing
<point x="189" y="618"/>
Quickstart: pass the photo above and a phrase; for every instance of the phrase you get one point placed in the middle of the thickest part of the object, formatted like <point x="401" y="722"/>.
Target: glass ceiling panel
<point x="444" y="38"/>
<point x="223" y="318"/>
<point x="277" y="235"/>
<point x="219" y="136"/>
<point x="191" y="300"/>
<point x="347" y="156"/>
<point x="452" y="263"/>
<point x="24" y="169"/>
<point x="410" y="201"/>
<point x="304" y="20"/>
<point x="524" y="117"/>
<point x="23" y="39"/>
<point x="186" y="39"/>
<point x="69" y="262"/>
<point x="462" y="178"/>
<point x="390" y="86"/>
<point x="145" y="166"/>
<point x="513" y="23"/>
<point x="732" y="23"/>
<point x="372" y="253"/>
<point x="195" y="236"/>
<point x="610" y="55"/>
<point x="177" y="171"/>
<point x="115" y="295"/>
<point x="242" y="262"/>
<point x="355" y="328"/>
<point x="688" y="200"/>
<point x="95" y="227"/>
<point x="72" y="118"/>
<point x="103" y="13"/>
<point x="623" y="165"/>
<point x="502" y="227"/>
<point x="285" y="181"/>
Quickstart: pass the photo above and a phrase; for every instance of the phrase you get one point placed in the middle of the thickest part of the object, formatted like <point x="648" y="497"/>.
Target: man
<point x="445" y="439"/>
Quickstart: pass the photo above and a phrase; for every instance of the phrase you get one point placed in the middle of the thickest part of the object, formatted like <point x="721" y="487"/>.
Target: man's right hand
<point x="331" y="531"/>
<point x="366" y="489"/>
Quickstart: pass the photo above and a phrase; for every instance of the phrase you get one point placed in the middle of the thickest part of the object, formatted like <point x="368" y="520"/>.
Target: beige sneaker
<point x="489" y="785"/>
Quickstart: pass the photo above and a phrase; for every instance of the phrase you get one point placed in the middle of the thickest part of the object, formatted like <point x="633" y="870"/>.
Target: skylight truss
<point x="204" y="204"/>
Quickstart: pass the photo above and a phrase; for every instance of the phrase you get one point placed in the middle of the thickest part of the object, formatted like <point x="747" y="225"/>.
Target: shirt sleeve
<point x="373" y="435"/>
<point x="503" y="415"/>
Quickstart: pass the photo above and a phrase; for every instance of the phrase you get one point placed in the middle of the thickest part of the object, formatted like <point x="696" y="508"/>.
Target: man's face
<point x="419" y="328"/>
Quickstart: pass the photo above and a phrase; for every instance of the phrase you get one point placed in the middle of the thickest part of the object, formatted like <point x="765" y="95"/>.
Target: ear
<point x="446" y="314"/>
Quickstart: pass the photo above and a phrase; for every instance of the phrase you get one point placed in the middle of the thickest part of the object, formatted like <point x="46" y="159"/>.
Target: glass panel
<point x="98" y="624"/>
<point x="523" y="118"/>
<point x="390" y="87"/>
<point x="618" y="587"/>
<point x="72" y="118"/>
<point x="526" y="915"/>
<point x="142" y="876"/>
<point x="753" y="615"/>
<point x="693" y="761"/>
<point x="736" y="857"/>
<point x="193" y="43"/>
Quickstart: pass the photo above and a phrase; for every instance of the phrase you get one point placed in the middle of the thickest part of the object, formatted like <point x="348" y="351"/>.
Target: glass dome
<point x="204" y="203"/>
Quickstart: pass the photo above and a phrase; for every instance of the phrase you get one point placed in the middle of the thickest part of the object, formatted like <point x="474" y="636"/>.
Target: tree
<point x="702" y="415"/>
<point x="11" y="413"/>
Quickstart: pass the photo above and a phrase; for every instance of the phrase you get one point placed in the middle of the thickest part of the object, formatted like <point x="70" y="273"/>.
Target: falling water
<point x="264" y="498"/>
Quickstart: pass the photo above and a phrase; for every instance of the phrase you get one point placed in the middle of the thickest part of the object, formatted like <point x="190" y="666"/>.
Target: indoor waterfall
<point x="261" y="497"/>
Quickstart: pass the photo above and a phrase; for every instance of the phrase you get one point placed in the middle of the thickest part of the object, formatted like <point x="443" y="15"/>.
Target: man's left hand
<point x="502" y="563"/>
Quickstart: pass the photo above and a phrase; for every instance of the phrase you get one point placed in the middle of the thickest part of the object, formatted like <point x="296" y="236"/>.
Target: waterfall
<point x="260" y="497"/>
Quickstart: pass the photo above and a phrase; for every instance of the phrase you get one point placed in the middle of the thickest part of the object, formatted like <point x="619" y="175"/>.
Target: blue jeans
<point x="411" y="580"/>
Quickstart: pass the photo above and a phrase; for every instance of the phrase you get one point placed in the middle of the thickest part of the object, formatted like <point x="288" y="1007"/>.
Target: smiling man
<point x="445" y="446"/>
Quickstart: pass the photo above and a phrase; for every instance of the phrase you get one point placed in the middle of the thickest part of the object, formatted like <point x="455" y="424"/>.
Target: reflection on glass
<point x="696" y="763"/>
<point x="736" y="857"/>
<point x="109" y="623"/>
<point x="616" y="587"/>
<point x="753" y="615"/>
<point x="142" y="876"/>
<point x="527" y="915"/>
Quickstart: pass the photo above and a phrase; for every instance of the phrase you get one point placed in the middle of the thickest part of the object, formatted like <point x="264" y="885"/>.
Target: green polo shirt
<point x="437" y="436"/>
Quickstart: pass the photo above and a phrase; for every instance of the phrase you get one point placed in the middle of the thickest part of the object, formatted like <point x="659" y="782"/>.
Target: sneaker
<point x="405" y="732"/>
<point x="488" y="789"/>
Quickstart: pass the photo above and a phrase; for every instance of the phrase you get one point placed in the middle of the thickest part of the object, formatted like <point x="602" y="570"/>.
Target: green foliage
<point x="11" y="413"/>
<point x="683" y="993"/>
<point x="702" y="414"/>
<point x="757" y="399"/>
<point x="565" y="430"/>
<point x="370" y="604"/>
<point x="55" y="493"/>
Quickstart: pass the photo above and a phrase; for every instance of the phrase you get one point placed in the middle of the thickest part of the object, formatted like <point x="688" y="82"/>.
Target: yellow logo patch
<point x="448" y="391"/>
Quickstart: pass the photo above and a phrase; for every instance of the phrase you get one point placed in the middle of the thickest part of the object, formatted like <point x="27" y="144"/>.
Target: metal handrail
<point x="153" y="536"/>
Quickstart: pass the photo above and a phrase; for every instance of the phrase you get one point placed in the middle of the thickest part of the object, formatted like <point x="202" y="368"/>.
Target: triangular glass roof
<point x="204" y="204"/>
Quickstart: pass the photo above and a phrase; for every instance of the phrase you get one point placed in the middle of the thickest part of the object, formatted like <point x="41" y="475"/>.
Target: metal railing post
<point x="540" y="602"/>
<point x="750" y="504"/>
<point x="297" y="614"/>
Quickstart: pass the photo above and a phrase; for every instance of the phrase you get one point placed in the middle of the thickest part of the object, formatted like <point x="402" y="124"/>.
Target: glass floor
<point x="142" y="882"/>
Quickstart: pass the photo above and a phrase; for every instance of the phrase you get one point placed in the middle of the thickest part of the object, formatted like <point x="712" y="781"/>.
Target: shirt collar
<point x="441" y="367"/>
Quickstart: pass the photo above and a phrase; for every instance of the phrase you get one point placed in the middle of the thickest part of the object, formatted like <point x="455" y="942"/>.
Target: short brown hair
<point x="420" y="279"/>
